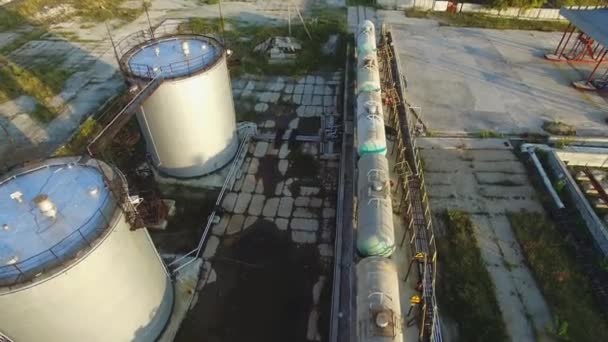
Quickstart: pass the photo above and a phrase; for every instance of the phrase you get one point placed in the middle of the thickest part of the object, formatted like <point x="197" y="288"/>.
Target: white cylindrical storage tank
<point x="71" y="268"/>
<point x="366" y="38"/>
<point x="368" y="74"/>
<point x="378" y="301"/>
<point x="189" y="122"/>
<point x="375" y="230"/>
<point x="371" y="135"/>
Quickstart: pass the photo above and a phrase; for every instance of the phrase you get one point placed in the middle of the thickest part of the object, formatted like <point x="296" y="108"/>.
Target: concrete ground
<point x="272" y="251"/>
<point x="467" y="80"/>
<point x="84" y="49"/>
<point x="485" y="178"/>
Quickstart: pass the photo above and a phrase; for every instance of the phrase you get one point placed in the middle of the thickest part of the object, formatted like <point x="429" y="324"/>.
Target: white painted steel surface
<point x="190" y="124"/>
<point x="371" y="137"/>
<point x="366" y="38"/>
<point x="375" y="230"/>
<point x="368" y="74"/>
<point x="114" y="288"/>
<point x="378" y="301"/>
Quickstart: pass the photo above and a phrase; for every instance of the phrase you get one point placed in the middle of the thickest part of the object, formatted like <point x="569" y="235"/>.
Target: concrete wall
<point x="576" y="156"/>
<point x="594" y="224"/>
<point x="511" y="12"/>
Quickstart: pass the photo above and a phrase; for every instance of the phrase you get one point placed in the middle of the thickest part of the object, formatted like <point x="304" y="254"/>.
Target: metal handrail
<point x="231" y="172"/>
<point x="176" y="69"/>
<point x="15" y="274"/>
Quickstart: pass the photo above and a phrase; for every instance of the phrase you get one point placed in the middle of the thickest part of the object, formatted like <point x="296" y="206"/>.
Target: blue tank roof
<point x="175" y="56"/>
<point x="48" y="214"/>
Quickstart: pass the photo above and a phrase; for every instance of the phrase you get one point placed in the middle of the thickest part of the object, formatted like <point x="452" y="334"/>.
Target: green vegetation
<point x="541" y="3"/>
<point x="487" y="21"/>
<point x="22" y="12"/>
<point x="41" y="81"/>
<point x="466" y="292"/>
<point x="368" y="3"/>
<point x="21" y="40"/>
<point x="489" y="134"/>
<point x="242" y="38"/>
<point x="552" y="259"/>
<point x="80" y="139"/>
<point x="563" y="142"/>
<point x="559" y="128"/>
<point x="208" y="2"/>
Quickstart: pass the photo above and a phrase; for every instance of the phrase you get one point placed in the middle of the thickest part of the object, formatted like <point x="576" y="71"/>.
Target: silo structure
<point x="71" y="268"/>
<point x="189" y="121"/>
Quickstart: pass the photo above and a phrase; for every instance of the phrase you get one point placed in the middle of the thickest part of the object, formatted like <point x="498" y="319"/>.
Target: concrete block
<point x="303" y="213"/>
<point x="259" y="187"/>
<point x="261" y="107"/>
<point x="283" y="166"/>
<point x="242" y="203"/>
<point x="271" y="207"/>
<point x="318" y="90"/>
<point x="285" y="207"/>
<point x="220" y="228"/>
<point x="260" y="149"/>
<point x="249" y="221"/>
<point x="326" y="250"/>
<point x="316" y="202"/>
<point x="229" y="201"/>
<point x="299" y="89"/>
<point x="303" y="237"/>
<point x="309" y="190"/>
<point x="293" y="124"/>
<point x="283" y="151"/>
<point x="235" y="225"/>
<point x="305" y="224"/>
<point x="281" y="223"/>
<point x="257" y="204"/>
<point x="253" y="166"/>
<point x="249" y="184"/>
<point x="278" y="189"/>
<point x="302" y="201"/>
<point x="211" y="247"/>
<point x="317" y="100"/>
<point x="329" y="212"/>
<point x="288" y="89"/>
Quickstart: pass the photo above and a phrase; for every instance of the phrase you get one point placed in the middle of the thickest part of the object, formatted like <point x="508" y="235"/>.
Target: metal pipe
<point x="563" y="36"/>
<point x="567" y="40"/>
<point x="597" y="66"/>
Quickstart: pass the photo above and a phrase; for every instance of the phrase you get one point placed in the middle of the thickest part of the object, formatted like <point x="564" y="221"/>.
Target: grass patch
<point x="368" y="3"/>
<point x="40" y="81"/>
<point x="80" y="139"/>
<point x="243" y="37"/>
<point x="487" y="21"/>
<point x="486" y="134"/>
<point x="21" y="40"/>
<point x="466" y="292"/>
<point x="559" y="128"/>
<point x="552" y="259"/>
<point x="23" y="12"/>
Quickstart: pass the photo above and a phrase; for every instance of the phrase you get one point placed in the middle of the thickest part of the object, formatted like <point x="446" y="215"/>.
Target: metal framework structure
<point x="412" y="189"/>
<point x="585" y="40"/>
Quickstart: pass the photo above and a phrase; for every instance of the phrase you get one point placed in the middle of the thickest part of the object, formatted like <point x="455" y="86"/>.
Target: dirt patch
<point x="262" y="292"/>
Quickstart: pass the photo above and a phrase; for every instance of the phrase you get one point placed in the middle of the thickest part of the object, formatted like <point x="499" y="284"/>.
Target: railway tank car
<point x="366" y="38"/>
<point x="375" y="230"/>
<point x="371" y="136"/>
<point x="378" y="301"/>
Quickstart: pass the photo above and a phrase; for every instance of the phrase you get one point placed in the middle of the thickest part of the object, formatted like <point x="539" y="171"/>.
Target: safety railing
<point x="194" y="254"/>
<point x="63" y="251"/>
<point x="130" y="44"/>
<point x="412" y="186"/>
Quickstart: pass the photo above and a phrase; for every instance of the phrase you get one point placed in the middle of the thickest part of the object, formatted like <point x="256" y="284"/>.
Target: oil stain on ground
<point x="262" y="292"/>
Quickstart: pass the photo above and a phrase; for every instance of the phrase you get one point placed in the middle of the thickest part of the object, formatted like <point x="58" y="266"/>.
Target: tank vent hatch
<point x="46" y="206"/>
